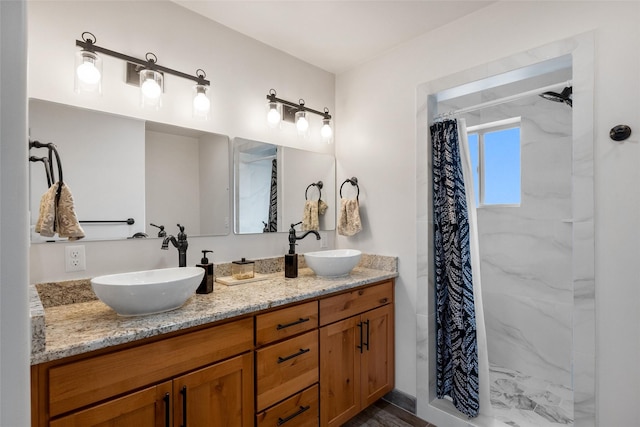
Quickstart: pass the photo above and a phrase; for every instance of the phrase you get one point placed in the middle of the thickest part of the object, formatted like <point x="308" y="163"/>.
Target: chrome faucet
<point x="293" y="237"/>
<point x="180" y="243"/>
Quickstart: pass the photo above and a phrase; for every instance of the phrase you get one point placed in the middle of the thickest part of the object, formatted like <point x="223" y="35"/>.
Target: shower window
<point x="495" y="161"/>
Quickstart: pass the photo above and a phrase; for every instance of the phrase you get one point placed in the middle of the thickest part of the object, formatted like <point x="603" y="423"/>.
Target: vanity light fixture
<point x="88" y="76"/>
<point x="279" y="110"/>
<point x="201" y="100"/>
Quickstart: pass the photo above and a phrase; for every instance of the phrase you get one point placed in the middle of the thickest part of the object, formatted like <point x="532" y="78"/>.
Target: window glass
<point x="502" y="167"/>
<point x="495" y="162"/>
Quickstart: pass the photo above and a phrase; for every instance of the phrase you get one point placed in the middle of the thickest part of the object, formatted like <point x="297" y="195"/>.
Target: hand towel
<point x="47" y="216"/>
<point x="310" y="220"/>
<point x="349" y="222"/>
<point x="322" y="207"/>
<point x="66" y="219"/>
<point x="61" y="218"/>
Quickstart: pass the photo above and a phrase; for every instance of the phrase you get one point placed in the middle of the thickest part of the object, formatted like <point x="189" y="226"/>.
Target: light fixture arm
<point x="90" y="46"/>
<point x="300" y="106"/>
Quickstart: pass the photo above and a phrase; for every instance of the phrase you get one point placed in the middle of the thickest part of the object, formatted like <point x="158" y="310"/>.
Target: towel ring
<point x="353" y="181"/>
<point x="318" y="184"/>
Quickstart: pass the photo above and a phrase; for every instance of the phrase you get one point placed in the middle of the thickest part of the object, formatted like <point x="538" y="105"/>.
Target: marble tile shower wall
<point x="526" y="251"/>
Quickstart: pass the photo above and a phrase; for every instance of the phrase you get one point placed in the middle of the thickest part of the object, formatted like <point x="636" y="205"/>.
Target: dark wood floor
<point x="385" y="414"/>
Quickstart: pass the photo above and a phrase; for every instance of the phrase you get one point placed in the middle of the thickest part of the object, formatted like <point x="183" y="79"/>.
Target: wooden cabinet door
<point x="378" y="355"/>
<point x="220" y="395"/>
<point x="339" y="371"/>
<point x="150" y="407"/>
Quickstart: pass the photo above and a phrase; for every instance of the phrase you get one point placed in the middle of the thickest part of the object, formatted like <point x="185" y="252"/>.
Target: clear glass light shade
<point x="273" y="114"/>
<point x="201" y="102"/>
<point x="302" y="124"/>
<point x="326" y="132"/>
<point x="151" y="88"/>
<point x="88" y="75"/>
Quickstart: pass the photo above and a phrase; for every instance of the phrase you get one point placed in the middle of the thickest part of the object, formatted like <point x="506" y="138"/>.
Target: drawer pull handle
<point x="301" y="352"/>
<point x="297" y="322"/>
<point x="183" y="392"/>
<point x="167" y="410"/>
<point x="302" y="410"/>
<point x="360" y="346"/>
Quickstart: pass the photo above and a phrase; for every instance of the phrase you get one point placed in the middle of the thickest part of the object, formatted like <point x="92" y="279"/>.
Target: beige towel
<point x="47" y="215"/>
<point x="349" y="222"/>
<point x="310" y="220"/>
<point x="64" y="217"/>
<point x="322" y="207"/>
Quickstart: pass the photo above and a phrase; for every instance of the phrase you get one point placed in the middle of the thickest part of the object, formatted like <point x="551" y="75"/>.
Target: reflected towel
<point x="47" y="216"/>
<point x="62" y="218"/>
<point x="349" y="222"/>
<point x="322" y="207"/>
<point x="310" y="220"/>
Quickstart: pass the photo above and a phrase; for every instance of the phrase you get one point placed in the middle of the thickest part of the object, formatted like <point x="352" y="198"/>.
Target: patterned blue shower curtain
<point x="272" y="226"/>
<point x="456" y="345"/>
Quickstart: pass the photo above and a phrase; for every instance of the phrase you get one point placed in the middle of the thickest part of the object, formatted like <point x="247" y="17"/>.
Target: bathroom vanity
<point x="302" y="352"/>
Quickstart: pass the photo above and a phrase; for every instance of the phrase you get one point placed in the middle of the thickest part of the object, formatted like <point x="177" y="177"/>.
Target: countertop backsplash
<point x="53" y="294"/>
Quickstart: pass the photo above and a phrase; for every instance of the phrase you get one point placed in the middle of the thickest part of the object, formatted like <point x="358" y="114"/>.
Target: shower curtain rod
<point x="505" y="99"/>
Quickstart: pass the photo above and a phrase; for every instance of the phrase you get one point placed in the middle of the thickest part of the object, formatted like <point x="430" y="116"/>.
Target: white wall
<point x="14" y="224"/>
<point x="382" y="156"/>
<point x="215" y="184"/>
<point x="172" y="172"/>
<point x="241" y="71"/>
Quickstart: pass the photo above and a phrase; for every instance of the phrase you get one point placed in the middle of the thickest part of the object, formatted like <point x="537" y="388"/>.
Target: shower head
<point x="564" y="96"/>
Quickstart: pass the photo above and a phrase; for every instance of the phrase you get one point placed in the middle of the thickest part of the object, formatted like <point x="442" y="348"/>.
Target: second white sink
<point x="333" y="263"/>
<point x="147" y="292"/>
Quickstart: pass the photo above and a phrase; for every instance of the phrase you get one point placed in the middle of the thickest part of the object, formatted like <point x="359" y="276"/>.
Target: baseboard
<point x="401" y="400"/>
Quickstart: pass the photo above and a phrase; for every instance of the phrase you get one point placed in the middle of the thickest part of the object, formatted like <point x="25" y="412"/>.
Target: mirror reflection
<point x="119" y="168"/>
<point x="274" y="185"/>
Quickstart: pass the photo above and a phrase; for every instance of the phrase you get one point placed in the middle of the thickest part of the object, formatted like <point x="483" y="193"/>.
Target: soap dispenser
<point x="206" y="286"/>
<point x="291" y="258"/>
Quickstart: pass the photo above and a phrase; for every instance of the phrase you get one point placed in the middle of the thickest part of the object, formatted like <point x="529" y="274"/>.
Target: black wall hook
<point x="620" y="132"/>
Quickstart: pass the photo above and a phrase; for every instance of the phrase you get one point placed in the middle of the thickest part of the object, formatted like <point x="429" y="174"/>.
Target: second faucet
<point x="180" y="243"/>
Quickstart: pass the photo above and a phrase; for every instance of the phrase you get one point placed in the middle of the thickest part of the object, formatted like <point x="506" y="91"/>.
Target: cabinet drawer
<point x="285" y="368"/>
<point x="355" y="302"/>
<point x="286" y="322"/>
<point x="90" y="380"/>
<point x="300" y="410"/>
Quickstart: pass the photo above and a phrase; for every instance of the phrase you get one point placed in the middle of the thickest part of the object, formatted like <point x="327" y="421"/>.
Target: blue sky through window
<point x="500" y="152"/>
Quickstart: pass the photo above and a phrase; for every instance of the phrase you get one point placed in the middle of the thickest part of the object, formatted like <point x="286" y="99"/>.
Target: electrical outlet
<point x="323" y="240"/>
<point x="74" y="259"/>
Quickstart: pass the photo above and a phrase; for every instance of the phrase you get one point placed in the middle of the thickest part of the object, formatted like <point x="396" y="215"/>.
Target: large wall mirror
<point x="272" y="185"/>
<point x="119" y="168"/>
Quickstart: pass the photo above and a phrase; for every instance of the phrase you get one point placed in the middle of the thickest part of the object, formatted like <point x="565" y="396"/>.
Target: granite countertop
<point x="81" y="323"/>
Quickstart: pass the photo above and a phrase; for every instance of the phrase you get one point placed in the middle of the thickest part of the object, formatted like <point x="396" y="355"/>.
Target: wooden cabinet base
<point x="317" y="362"/>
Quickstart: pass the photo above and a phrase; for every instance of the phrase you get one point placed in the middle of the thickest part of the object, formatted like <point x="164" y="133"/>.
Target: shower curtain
<point x="272" y="226"/>
<point x="462" y="365"/>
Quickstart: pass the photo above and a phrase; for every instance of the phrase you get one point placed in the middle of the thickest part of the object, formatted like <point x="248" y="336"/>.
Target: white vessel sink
<point x="147" y="292"/>
<point x="333" y="263"/>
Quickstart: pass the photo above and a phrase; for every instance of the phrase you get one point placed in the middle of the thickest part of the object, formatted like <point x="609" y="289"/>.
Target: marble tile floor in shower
<point x="519" y="400"/>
